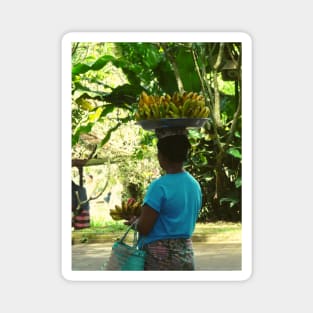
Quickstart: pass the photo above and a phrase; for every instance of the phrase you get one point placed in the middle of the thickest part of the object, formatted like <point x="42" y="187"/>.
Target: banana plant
<point x="159" y="68"/>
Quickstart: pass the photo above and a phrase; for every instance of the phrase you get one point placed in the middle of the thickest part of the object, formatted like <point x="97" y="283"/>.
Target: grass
<point x="105" y="227"/>
<point x="218" y="232"/>
<point x="218" y="227"/>
<point x="210" y="232"/>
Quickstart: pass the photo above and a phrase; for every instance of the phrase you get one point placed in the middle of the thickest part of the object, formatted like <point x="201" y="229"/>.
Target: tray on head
<point x="172" y="123"/>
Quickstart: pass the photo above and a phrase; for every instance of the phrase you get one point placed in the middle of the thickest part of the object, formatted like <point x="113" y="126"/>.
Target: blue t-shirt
<point x="178" y="199"/>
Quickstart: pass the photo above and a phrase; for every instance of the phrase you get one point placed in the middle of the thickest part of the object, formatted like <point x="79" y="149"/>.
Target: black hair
<point x="174" y="148"/>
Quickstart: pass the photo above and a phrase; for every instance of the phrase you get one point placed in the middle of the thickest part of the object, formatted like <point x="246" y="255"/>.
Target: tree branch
<point x="219" y="58"/>
<point x="235" y="119"/>
<point x="171" y="59"/>
<point x="74" y="48"/>
<point x="205" y="88"/>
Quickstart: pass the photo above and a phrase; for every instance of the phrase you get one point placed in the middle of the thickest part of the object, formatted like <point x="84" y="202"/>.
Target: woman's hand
<point x="131" y="220"/>
<point x="146" y="221"/>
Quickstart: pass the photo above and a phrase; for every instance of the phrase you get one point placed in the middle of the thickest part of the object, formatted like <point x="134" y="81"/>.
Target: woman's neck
<point x="174" y="169"/>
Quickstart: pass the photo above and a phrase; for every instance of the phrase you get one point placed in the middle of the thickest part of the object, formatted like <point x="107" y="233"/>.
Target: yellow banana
<point x="129" y="209"/>
<point x="145" y="97"/>
<point x="195" y="112"/>
<point x="137" y="204"/>
<point x="175" y="97"/>
<point x="151" y="100"/>
<point x="203" y="112"/>
<point x="185" y="107"/>
<point x="137" y="211"/>
<point x="191" y="108"/>
<point x="172" y="114"/>
<point x="186" y="104"/>
<point x="155" y="110"/>
<point x="147" y="110"/>
<point x="206" y="112"/>
<point x="166" y="107"/>
<point x="174" y="108"/>
<point x="168" y="97"/>
<point x="136" y="208"/>
<point x="115" y="217"/>
<point x="141" y="101"/>
<point x="141" y="112"/>
<point x="162" y="110"/>
<point x="118" y="209"/>
<point x="195" y="108"/>
<point x="124" y="206"/>
<point x="152" y="112"/>
<point x="201" y="103"/>
<point x="194" y="96"/>
<point x="137" y="116"/>
<point x="184" y="96"/>
<point x="189" y="95"/>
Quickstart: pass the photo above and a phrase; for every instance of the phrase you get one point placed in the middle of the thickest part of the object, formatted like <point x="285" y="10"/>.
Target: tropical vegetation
<point x="107" y="80"/>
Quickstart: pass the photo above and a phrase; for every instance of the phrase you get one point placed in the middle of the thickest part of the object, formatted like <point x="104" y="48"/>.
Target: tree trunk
<point x="216" y="103"/>
<point x="172" y="61"/>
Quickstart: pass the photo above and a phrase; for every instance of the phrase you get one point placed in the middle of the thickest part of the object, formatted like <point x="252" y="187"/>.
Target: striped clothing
<point x="80" y="209"/>
<point x="82" y="220"/>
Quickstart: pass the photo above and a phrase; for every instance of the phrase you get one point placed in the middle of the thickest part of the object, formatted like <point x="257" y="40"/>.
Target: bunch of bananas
<point x="126" y="210"/>
<point x="185" y="105"/>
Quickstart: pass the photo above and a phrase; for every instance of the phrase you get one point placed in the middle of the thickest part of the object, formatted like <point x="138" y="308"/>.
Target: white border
<point x="66" y="246"/>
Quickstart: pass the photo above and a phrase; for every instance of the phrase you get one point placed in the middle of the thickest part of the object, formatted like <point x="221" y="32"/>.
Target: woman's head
<point x="174" y="148"/>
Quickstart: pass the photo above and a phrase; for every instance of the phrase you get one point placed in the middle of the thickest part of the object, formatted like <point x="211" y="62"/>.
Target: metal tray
<point x="172" y="123"/>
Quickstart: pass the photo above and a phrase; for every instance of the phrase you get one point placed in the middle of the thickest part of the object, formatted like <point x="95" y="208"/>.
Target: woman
<point x="170" y="210"/>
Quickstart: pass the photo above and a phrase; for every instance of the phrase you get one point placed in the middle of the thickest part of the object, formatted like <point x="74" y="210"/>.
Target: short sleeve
<point x="154" y="196"/>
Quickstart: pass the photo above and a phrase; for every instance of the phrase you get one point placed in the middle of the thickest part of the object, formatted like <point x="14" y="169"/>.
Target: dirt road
<point x="208" y="256"/>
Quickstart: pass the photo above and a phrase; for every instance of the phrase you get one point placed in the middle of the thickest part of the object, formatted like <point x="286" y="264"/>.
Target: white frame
<point x="246" y="268"/>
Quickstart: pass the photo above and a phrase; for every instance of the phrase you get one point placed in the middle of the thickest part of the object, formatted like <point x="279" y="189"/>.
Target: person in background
<point x="107" y="198"/>
<point x="170" y="210"/>
<point x="89" y="179"/>
<point x="89" y="184"/>
<point x="80" y="207"/>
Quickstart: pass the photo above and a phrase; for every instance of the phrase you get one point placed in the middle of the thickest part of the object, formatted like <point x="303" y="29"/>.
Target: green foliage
<point x="186" y="67"/>
<point x="140" y="169"/>
<point x="234" y="152"/>
<point x="166" y="78"/>
<point x="107" y="79"/>
<point x="82" y="68"/>
<point x="100" y="226"/>
<point x="202" y="164"/>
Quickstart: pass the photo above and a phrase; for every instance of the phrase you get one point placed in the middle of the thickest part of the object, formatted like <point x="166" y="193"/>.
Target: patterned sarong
<point x="169" y="255"/>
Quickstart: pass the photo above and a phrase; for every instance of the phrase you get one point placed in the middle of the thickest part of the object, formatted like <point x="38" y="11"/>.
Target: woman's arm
<point x="146" y="220"/>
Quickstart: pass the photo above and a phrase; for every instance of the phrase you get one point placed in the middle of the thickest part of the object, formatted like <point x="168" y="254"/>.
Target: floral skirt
<point x="169" y="255"/>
